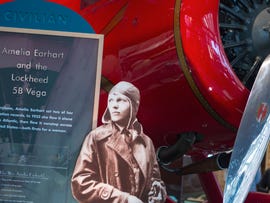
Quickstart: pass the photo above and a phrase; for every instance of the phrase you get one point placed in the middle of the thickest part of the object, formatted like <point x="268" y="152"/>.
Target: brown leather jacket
<point x="104" y="172"/>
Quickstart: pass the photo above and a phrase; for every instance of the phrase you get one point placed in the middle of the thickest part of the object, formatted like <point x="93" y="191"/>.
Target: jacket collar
<point x="112" y="130"/>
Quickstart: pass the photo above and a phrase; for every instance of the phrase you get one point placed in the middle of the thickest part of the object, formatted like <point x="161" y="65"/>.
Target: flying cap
<point x="133" y="95"/>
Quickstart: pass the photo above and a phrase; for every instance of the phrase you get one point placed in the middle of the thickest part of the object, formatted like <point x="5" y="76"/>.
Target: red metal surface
<point x="141" y="47"/>
<point x="208" y="62"/>
<point x="75" y="5"/>
<point x="210" y="184"/>
<point x="211" y="188"/>
<point x="257" y="197"/>
<point x="168" y="200"/>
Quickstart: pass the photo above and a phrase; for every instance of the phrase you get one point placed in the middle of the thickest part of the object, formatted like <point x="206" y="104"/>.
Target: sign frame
<point x="9" y="169"/>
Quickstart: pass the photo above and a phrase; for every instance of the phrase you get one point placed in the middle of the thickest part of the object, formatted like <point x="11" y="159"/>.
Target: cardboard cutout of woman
<point x="117" y="162"/>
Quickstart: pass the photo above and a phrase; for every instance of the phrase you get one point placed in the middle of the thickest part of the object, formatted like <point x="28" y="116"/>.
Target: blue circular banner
<point x="40" y="14"/>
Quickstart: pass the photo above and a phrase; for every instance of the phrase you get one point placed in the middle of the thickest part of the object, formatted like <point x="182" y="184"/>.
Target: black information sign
<point x="49" y="90"/>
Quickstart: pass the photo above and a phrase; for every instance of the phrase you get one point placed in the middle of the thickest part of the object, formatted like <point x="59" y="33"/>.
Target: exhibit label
<point x="49" y="84"/>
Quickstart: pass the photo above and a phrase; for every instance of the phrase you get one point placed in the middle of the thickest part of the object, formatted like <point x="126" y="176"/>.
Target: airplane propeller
<point x="251" y="140"/>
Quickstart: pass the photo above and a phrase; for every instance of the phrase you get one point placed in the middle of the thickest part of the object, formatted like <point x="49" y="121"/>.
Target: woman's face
<point x="119" y="108"/>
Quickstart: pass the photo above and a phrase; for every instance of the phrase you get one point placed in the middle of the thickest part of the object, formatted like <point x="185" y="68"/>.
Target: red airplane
<point x="194" y="63"/>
